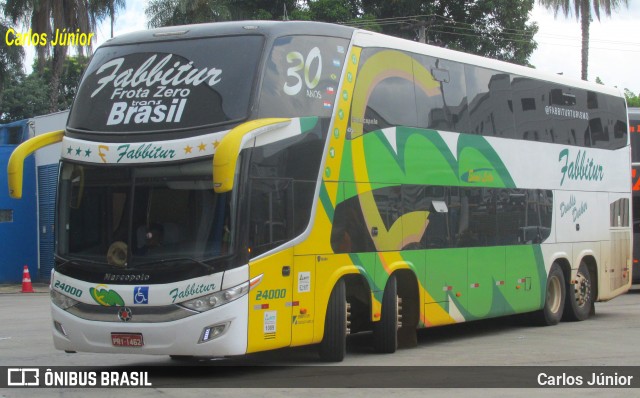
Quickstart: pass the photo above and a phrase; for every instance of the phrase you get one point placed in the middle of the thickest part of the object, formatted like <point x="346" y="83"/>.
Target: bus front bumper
<point x="180" y="337"/>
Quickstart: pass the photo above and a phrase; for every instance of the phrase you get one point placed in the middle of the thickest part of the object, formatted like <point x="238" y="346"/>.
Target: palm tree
<point x="49" y="17"/>
<point x="107" y="8"/>
<point x="582" y="9"/>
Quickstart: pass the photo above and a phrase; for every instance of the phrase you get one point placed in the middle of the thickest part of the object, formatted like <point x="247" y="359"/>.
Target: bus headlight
<point x="61" y="300"/>
<point x="211" y="301"/>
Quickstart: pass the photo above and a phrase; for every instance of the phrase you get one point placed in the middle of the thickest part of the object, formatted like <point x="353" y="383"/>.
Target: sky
<point x="614" y="54"/>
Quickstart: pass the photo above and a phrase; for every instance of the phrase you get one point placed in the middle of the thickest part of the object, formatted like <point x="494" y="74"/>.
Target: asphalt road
<point x="491" y="348"/>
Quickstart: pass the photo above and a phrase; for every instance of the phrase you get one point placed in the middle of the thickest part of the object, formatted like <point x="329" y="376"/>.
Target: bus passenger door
<point x="270" y="302"/>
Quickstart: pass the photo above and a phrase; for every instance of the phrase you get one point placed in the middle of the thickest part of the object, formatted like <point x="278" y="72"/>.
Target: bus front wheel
<point x="579" y="296"/>
<point x="554" y="305"/>
<point x="334" y="345"/>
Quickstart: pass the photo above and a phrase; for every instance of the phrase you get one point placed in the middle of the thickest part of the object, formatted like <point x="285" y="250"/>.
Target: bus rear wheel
<point x="554" y="302"/>
<point x="334" y="344"/>
<point x="385" y="331"/>
<point x="579" y="296"/>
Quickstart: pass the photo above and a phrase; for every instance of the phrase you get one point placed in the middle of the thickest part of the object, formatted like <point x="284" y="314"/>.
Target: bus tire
<point x="554" y="302"/>
<point x="385" y="331"/>
<point x="334" y="344"/>
<point x="579" y="303"/>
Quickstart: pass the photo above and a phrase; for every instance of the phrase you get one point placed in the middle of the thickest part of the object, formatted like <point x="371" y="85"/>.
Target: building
<point x="26" y="225"/>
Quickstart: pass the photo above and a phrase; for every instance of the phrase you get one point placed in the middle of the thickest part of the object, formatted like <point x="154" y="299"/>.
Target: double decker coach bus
<point x="230" y="188"/>
<point x="634" y="132"/>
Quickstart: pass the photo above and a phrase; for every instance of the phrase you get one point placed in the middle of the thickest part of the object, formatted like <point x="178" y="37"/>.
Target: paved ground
<point x="609" y="339"/>
<point x="17" y="288"/>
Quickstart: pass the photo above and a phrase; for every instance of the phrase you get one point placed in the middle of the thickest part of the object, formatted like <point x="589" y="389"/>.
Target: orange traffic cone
<point x="26" y="281"/>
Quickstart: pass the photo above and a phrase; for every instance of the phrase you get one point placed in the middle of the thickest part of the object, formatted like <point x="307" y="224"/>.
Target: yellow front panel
<point x="270" y="302"/>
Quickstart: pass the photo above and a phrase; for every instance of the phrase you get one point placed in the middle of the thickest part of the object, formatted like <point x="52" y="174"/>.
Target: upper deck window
<point x="167" y="85"/>
<point x="302" y="75"/>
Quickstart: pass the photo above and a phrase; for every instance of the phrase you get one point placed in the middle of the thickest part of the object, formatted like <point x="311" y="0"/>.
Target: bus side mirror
<point x="15" y="167"/>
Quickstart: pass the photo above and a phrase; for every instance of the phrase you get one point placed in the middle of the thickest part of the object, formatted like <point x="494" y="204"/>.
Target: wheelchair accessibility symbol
<point x="141" y="295"/>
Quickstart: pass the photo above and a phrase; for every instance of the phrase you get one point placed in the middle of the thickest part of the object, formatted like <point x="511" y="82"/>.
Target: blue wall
<point x="19" y="238"/>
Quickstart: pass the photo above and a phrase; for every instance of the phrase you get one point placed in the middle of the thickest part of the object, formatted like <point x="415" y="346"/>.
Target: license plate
<point x="127" y="339"/>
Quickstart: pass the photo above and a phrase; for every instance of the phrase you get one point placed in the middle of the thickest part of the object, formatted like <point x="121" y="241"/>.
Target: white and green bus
<point x="230" y="188"/>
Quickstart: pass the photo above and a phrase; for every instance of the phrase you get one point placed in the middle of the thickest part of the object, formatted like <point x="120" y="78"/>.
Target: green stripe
<point x="326" y="202"/>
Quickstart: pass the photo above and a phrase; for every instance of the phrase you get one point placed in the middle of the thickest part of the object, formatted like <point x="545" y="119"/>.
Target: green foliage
<point x="50" y="16"/>
<point x="181" y="12"/>
<point x="633" y="100"/>
<point x="26" y="96"/>
<point x="10" y="56"/>
<point x="330" y="11"/>
<point x="492" y="28"/>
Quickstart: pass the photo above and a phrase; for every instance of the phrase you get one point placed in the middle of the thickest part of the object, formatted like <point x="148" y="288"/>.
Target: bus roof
<point x="361" y="38"/>
<point x="268" y="28"/>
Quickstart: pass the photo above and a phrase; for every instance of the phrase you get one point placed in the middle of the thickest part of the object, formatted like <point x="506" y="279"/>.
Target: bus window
<point x="444" y="107"/>
<point x="490" y="102"/>
<point x="157" y="86"/>
<point x="301" y="76"/>
<point x="383" y="74"/>
<point x="282" y="180"/>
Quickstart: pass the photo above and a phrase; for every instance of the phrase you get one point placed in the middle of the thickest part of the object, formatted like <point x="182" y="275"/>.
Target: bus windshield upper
<point x="137" y="215"/>
<point x="159" y="86"/>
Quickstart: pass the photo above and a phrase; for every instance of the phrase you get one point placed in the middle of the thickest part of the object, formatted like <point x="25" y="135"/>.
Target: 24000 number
<point x="74" y="291"/>
<point x="271" y="294"/>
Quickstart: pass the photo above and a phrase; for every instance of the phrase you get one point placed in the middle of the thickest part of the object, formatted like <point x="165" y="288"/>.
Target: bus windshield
<point x="137" y="215"/>
<point x="159" y="86"/>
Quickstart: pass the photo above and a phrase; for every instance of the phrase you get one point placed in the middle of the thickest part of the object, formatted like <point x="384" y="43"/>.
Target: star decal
<point x="215" y="144"/>
<point x="187" y="149"/>
<point x="69" y="150"/>
<point x="202" y="146"/>
<point x="87" y="153"/>
<point x="78" y="151"/>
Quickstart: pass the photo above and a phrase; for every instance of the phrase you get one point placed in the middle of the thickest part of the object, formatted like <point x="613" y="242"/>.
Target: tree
<point x="583" y="11"/>
<point x="106" y="8"/>
<point x="54" y="16"/>
<point x="633" y="100"/>
<point x="493" y="28"/>
<point x="262" y="9"/>
<point x="336" y="11"/>
<point x="10" y="57"/>
<point x="28" y="95"/>
<point x="181" y="12"/>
